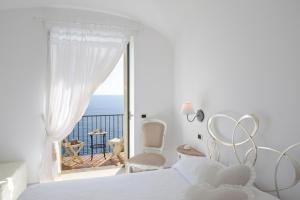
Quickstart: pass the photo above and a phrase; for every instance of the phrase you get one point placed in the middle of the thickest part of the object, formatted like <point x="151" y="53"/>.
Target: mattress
<point x="165" y="184"/>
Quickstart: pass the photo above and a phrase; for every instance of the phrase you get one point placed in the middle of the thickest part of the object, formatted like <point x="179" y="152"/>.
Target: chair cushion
<point x="150" y="159"/>
<point x="153" y="134"/>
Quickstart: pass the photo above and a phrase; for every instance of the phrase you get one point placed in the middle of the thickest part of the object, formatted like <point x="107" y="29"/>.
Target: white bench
<point x="13" y="180"/>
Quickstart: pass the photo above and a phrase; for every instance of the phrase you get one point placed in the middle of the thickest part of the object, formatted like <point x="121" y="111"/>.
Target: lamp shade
<point x="187" y="108"/>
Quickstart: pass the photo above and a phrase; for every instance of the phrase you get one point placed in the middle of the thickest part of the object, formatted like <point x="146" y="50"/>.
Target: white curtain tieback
<point x="52" y="138"/>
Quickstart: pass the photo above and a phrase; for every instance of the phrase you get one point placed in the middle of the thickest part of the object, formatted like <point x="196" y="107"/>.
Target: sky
<point x="114" y="84"/>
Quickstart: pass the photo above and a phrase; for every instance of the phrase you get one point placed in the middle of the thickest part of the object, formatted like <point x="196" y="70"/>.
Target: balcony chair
<point x="72" y="149"/>
<point x="117" y="145"/>
<point x="154" y="132"/>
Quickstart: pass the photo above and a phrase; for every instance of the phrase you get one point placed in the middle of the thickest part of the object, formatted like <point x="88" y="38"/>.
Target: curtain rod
<point x="136" y="27"/>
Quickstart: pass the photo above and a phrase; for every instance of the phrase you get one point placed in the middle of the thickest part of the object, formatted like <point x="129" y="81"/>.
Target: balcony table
<point x="100" y="145"/>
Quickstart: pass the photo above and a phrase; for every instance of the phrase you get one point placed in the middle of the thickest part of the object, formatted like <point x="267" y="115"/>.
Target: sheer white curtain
<point x="80" y="60"/>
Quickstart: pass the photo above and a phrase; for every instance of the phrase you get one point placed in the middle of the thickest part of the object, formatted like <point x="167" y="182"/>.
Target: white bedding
<point x="166" y="184"/>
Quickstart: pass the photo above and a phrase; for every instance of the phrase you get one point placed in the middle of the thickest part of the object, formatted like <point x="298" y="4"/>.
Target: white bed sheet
<point x="166" y="184"/>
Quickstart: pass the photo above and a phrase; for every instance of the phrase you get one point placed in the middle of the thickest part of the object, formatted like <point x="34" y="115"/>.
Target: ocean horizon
<point x="105" y="105"/>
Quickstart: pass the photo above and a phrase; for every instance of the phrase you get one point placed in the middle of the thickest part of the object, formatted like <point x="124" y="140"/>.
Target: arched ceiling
<point x="166" y="16"/>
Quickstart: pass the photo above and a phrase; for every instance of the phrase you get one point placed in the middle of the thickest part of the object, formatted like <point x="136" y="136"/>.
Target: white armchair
<point x="154" y="132"/>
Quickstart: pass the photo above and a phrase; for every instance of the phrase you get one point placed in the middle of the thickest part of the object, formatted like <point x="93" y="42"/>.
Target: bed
<point x="164" y="184"/>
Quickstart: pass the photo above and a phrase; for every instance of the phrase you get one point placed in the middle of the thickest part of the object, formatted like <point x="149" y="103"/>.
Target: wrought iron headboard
<point x="214" y="151"/>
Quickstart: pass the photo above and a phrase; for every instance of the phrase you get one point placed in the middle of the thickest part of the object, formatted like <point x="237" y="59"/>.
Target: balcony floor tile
<point x="98" y="161"/>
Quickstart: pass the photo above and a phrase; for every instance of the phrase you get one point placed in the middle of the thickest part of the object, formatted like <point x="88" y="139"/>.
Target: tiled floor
<point x="98" y="161"/>
<point x="98" y="167"/>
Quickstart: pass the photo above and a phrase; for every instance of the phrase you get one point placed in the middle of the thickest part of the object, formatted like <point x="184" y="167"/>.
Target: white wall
<point x="154" y="86"/>
<point x="22" y="86"/>
<point x="242" y="57"/>
<point x="23" y="78"/>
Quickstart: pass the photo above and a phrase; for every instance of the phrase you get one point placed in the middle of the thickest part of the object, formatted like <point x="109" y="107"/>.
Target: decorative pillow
<point x="224" y="192"/>
<point x="198" y="170"/>
<point x="243" y="175"/>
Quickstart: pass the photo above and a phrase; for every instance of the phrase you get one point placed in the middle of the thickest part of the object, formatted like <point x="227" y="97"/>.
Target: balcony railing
<point x="112" y="124"/>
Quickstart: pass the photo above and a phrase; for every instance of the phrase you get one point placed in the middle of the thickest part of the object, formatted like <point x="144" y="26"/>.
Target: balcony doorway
<point x="99" y="141"/>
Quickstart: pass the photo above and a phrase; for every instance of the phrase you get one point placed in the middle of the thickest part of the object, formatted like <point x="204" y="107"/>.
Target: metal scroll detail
<point x="214" y="152"/>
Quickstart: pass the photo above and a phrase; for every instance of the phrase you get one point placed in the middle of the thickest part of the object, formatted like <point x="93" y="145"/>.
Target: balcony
<point x="112" y="125"/>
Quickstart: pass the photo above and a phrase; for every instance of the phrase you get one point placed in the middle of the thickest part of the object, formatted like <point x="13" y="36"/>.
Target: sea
<point x="105" y="105"/>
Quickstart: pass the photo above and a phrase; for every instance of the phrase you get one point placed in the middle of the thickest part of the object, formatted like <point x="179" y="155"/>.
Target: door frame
<point x="127" y="100"/>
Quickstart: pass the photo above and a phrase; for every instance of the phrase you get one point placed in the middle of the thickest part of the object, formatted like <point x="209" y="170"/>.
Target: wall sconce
<point x="187" y="109"/>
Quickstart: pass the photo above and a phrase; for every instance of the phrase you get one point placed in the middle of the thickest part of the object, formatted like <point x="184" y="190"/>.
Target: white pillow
<point x="224" y="192"/>
<point x="243" y="175"/>
<point x="198" y="170"/>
